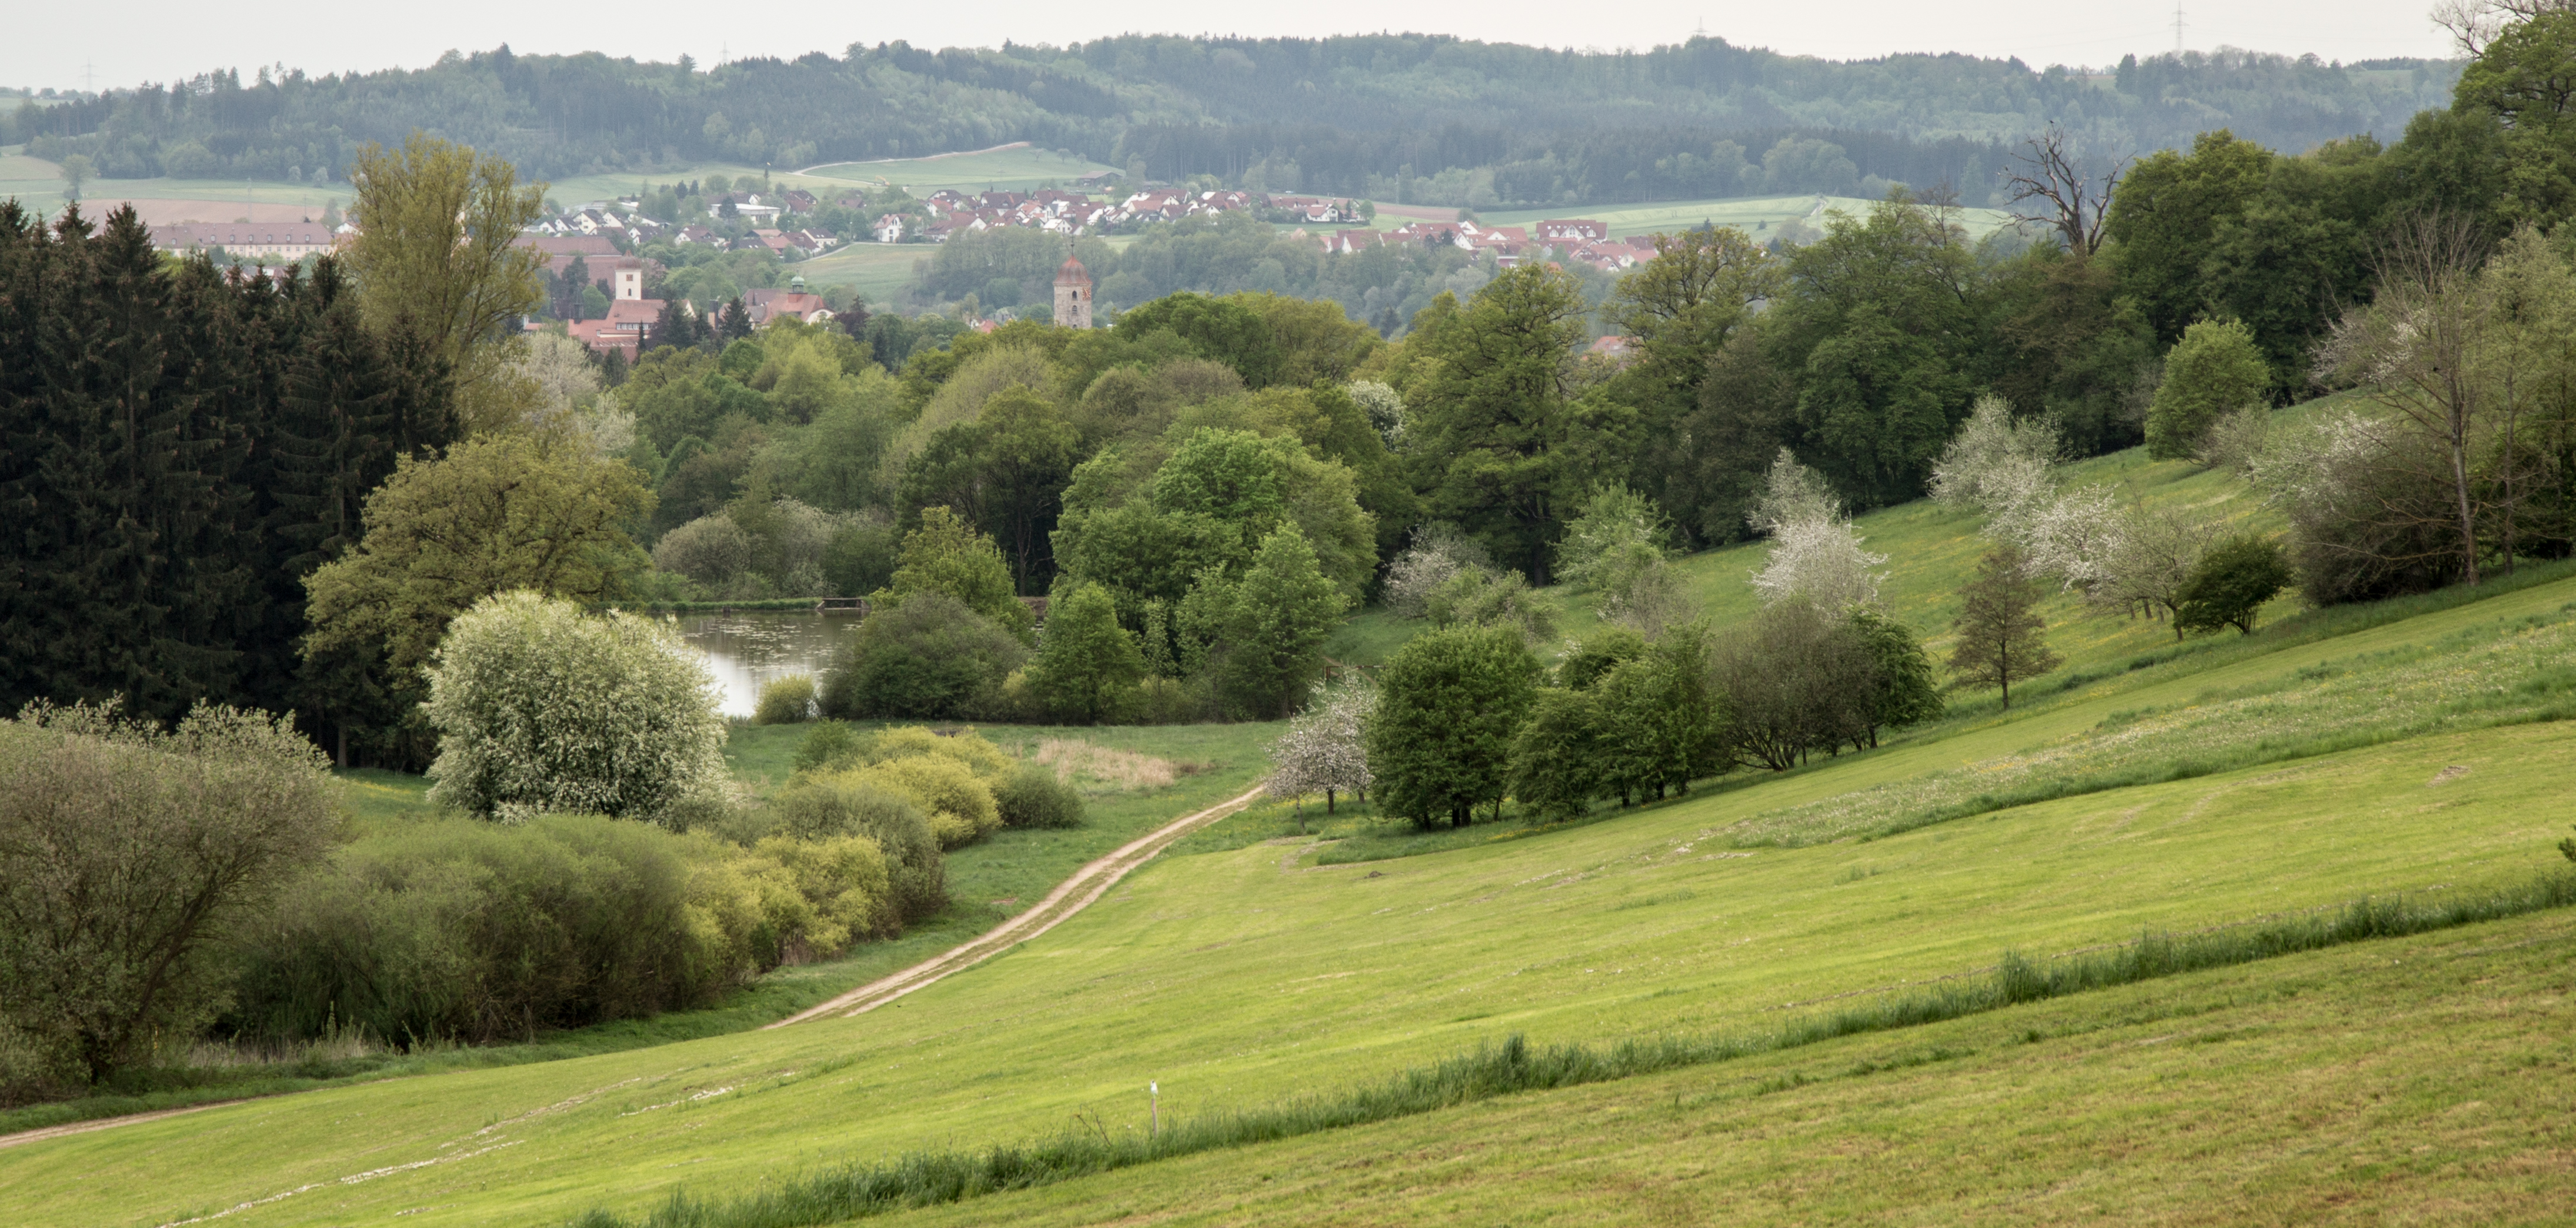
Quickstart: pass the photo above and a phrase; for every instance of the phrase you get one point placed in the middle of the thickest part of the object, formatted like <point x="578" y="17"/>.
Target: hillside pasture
<point x="1017" y="167"/>
<point x="1241" y="977"/>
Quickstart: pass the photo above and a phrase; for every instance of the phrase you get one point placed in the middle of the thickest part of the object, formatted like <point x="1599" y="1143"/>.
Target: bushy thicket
<point x="964" y="786"/>
<point x="459" y="930"/>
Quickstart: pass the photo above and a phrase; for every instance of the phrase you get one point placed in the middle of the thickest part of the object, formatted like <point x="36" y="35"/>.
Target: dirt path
<point x="100" y="1123"/>
<point x="1071" y="896"/>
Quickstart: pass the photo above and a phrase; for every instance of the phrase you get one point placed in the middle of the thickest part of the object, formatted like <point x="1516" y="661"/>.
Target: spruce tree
<point x="734" y="323"/>
<point x="2002" y="639"/>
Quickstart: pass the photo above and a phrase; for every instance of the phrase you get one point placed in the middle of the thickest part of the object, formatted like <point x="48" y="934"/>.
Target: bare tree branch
<point x="2068" y="200"/>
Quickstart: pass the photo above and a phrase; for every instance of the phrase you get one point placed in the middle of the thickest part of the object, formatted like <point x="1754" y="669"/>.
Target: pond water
<point x="748" y="648"/>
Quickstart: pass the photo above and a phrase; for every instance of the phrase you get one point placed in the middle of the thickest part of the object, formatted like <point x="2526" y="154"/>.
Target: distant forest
<point x="1395" y="117"/>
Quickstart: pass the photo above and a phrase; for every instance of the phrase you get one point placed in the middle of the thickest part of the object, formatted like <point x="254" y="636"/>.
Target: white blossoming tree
<point x="540" y="707"/>
<point x="1324" y="750"/>
<point x="1821" y="560"/>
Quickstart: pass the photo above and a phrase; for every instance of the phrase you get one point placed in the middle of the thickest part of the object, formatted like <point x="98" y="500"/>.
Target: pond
<point x="750" y="647"/>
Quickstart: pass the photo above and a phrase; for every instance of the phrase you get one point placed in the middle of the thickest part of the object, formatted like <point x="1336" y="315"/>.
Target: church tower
<point x="1073" y="295"/>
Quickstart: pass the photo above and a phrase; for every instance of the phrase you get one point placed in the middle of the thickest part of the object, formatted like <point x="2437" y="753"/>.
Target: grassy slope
<point x="2419" y="1080"/>
<point x="1242" y="976"/>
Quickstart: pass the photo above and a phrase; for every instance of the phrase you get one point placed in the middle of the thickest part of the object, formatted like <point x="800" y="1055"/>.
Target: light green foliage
<point x="2001" y="639"/>
<point x="1086" y="662"/>
<point x="785" y="701"/>
<point x="1448" y="705"/>
<point x="1558" y="754"/>
<point x="2230" y="585"/>
<point x="494" y="515"/>
<point x="541" y="708"/>
<point x="2519" y="79"/>
<point x="436" y="257"/>
<point x="954" y="781"/>
<point x="1616" y="549"/>
<point x="1512" y="450"/>
<point x="1482" y="597"/>
<point x="947" y="556"/>
<point x="824" y="806"/>
<point x="127" y="856"/>
<point x="2213" y="371"/>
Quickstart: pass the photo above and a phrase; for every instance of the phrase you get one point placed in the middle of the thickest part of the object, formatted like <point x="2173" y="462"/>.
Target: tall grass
<point x="928" y="1178"/>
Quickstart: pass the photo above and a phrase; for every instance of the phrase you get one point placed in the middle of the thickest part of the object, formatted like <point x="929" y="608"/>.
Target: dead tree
<point x="2067" y="200"/>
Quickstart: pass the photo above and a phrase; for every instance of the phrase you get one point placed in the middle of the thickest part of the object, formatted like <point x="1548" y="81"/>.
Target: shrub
<point x="1584" y="664"/>
<point x="1616" y="550"/>
<point x="960" y="806"/>
<point x="1448" y="704"/>
<point x="1478" y="597"/>
<point x="2231" y="584"/>
<point x="2215" y="369"/>
<point x="1796" y="681"/>
<point x="785" y="701"/>
<point x="1438" y="552"/>
<point x="1031" y="796"/>
<point x="540" y="707"/>
<point x="126" y="854"/>
<point x="827" y="806"/>
<point x="709" y="550"/>
<point x="828" y="743"/>
<point x="448" y="929"/>
<point x="930" y="657"/>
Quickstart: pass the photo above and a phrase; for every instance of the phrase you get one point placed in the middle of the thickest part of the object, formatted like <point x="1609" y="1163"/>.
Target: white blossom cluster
<point x="1324" y="746"/>
<point x="1814" y="551"/>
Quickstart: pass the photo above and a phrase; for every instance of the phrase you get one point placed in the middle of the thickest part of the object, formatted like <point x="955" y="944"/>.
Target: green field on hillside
<point x="1240" y="977"/>
<point x="1015" y="168"/>
<point x="878" y="271"/>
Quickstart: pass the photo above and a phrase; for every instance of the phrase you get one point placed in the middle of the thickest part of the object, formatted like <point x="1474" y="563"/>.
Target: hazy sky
<point x="158" y="40"/>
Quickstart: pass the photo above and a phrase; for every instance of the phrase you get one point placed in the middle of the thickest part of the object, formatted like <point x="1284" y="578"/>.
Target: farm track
<point x="1070" y="897"/>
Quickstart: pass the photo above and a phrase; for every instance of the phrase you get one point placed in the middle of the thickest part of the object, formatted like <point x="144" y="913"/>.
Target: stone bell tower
<point x="1072" y="295"/>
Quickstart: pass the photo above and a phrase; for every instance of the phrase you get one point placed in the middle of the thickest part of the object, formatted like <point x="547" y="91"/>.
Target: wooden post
<point x="1154" y="1089"/>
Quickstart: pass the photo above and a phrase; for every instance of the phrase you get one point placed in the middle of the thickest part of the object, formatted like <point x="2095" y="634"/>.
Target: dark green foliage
<point x="2231" y="584"/>
<point x="477" y="932"/>
<point x="1557" y="755"/>
<point x="2002" y="638"/>
<point x="1033" y="797"/>
<point x="1448" y="704"/>
<point x="1797" y="681"/>
<point x="936" y="1178"/>
<point x="929" y="657"/>
<point x="177" y="451"/>
<point x="2519" y="81"/>
<point x="1271" y="633"/>
<point x="1906" y="690"/>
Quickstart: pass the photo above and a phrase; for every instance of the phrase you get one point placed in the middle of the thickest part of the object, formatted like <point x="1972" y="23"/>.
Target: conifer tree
<point x="2002" y="639"/>
<point x="734" y="323"/>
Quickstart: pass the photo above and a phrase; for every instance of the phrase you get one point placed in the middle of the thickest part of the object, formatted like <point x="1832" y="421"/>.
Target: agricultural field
<point x="1017" y="167"/>
<point x="1755" y="215"/>
<point x="2406" y="751"/>
<point x="38" y="185"/>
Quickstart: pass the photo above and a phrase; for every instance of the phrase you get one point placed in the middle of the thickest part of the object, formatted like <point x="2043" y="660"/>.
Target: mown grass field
<point x="1015" y="168"/>
<point x="1241" y="976"/>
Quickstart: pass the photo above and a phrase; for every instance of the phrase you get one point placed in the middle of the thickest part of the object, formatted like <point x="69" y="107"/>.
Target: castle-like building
<point x="1072" y="295"/>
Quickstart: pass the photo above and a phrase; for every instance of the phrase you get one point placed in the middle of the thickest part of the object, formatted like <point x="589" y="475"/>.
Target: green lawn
<point x="1241" y="976"/>
<point x="878" y="271"/>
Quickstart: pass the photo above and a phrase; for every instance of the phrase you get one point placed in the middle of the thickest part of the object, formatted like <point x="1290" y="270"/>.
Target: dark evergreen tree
<point x="734" y="323"/>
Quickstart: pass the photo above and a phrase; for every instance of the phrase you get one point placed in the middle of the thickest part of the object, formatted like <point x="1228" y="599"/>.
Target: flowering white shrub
<point x="1438" y="552"/>
<point x="1791" y="493"/>
<point x="542" y="708"/>
<point x="1996" y="465"/>
<point x="1822" y="560"/>
<point x="1324" y="748"/>
<point x="1385" y="409"/>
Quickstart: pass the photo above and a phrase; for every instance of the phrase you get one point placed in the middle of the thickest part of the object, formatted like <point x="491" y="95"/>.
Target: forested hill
<point x="1360" y="114"/>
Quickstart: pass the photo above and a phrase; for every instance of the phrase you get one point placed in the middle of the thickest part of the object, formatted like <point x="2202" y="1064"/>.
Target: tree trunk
<point x="1328" y="807"/>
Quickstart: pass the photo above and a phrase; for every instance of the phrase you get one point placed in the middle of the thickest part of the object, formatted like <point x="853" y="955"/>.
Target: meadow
<point x="1244" y="976"/>
<point x="1015" y="168"/>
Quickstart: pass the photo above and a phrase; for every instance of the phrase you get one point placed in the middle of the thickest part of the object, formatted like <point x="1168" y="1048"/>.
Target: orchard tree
<point x="1448" y="704"/>
<point x="1325" y="749"/>
<point x="2002" y="639"/>
<point x="2231" y="584"/>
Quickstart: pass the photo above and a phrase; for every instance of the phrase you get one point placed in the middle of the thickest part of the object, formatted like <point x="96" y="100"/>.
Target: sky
<point x="68" y="46"/>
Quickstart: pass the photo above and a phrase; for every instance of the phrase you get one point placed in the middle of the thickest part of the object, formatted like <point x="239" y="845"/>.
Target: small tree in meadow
<point x="2002" y="639"/>
<point x="2231" y="584"/>
<point x="1326" y="747"/>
